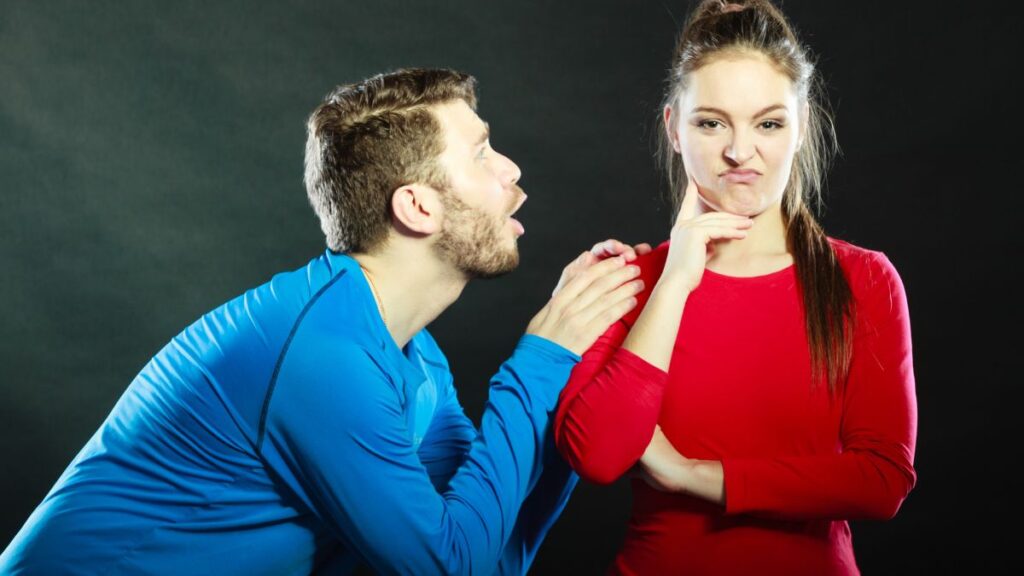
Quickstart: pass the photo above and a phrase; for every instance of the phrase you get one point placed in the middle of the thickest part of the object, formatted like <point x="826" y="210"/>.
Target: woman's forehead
<point x="740" y="83"/>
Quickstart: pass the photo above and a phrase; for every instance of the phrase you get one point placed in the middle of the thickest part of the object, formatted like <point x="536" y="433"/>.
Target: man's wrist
<point x="548" y="348"/>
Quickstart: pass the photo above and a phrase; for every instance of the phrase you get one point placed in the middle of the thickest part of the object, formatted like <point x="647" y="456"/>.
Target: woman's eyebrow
<point x="714" y="110"/>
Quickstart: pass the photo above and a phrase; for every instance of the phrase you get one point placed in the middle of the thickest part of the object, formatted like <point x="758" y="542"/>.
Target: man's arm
<point x="444" y="449"/>
<point x="337" y="435"/>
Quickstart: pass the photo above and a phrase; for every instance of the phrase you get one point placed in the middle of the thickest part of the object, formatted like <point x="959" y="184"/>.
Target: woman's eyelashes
<point x="713" y="124"/>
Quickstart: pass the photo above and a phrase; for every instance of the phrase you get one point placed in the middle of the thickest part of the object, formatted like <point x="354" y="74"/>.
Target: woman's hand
<point x="693" y="238"/>
<point x="663" y="468"/>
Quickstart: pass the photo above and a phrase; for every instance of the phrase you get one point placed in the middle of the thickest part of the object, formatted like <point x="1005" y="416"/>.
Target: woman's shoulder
<point x="867" y="271"/>
<point x="854" y="256"/>
<point x="651" y="265"/>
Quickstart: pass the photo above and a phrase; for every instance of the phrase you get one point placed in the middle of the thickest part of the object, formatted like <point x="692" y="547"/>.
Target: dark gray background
<point x="151" y="165"/>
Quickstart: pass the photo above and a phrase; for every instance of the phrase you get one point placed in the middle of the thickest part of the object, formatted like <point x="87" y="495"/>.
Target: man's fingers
<point x="611" y="306"/>
<point x="600" y="287"/>
<point x="612" y="247"/>
<point x="577" y="284"/>
<point x="642" y="248"/>
<point x="573" y="269"/>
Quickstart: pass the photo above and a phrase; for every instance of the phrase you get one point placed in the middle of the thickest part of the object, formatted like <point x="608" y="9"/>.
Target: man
<point x="310" y="424"/>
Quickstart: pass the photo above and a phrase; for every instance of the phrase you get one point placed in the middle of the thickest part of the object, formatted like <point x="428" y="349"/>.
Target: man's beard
<point x="474" y="241"/>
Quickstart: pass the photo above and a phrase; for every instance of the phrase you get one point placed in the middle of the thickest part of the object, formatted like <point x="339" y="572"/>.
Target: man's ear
<point x="670" y="130"/>
<point x="417" y="208"/>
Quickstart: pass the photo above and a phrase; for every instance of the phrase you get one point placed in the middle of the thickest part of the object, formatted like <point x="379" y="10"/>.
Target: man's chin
<point x="495" y="269"/>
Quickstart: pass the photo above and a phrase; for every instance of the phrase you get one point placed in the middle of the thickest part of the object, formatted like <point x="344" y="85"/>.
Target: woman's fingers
<point x="688" y="207"/>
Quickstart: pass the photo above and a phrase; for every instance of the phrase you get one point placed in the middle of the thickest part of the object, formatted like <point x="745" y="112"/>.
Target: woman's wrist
<point x="706" y="479"/>
<point x="671" y="284"/>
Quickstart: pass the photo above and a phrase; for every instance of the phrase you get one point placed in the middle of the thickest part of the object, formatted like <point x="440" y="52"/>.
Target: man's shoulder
<point x="430" y="351"/>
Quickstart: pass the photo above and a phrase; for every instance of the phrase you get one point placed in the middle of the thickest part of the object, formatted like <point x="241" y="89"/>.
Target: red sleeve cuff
<point x="737" y="494"/>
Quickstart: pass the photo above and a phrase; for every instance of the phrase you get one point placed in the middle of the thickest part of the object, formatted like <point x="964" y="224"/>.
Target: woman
<point x="763" y="390"/>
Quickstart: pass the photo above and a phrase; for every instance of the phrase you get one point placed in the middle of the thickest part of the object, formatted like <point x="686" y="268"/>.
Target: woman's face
<point x="738" y="127"/>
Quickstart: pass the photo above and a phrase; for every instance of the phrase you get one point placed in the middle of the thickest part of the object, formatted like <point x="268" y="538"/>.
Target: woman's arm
<point x="872" y="473"/>
<point x="609" y="408"/>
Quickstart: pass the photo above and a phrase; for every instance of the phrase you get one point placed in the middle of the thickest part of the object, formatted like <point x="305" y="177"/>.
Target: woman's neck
<point x="763" y="251"/>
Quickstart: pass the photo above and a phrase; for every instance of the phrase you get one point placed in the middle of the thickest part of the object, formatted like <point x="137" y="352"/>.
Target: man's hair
<point x="369" y="138"/>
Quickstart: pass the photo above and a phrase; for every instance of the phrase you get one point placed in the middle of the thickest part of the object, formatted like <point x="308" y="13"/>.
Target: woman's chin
<point x="748" y="210"/>
<point x="750" y="205"/>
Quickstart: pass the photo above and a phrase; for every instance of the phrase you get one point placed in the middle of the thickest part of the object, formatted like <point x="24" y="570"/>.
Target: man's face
<point x="479" y="234"/>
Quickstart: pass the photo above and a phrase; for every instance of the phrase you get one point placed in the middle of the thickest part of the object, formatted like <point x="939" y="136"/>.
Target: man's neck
<point x="411" y="289"/>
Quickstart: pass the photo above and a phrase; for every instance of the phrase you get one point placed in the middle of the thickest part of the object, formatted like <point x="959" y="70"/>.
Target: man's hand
<point x="590" y="295"/>
<point x="601" y="251"/>
<point x="612" y="247"/>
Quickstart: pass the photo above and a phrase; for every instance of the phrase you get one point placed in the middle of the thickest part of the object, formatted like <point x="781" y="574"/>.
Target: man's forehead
<point x="460" y="123"/>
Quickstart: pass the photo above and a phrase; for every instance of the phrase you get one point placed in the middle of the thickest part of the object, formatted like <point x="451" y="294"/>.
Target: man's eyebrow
<point x="485" y="135"/>
<point x="719" y="111"/>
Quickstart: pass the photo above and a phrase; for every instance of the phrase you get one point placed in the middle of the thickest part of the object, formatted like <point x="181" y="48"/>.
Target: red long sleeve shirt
<point x="798" y="462"/>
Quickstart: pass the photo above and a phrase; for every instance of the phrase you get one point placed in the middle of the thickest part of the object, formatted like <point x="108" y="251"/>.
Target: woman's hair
<point x="717" y="28"/>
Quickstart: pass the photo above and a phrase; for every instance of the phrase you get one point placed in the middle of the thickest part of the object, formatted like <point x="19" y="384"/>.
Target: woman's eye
<point x="771" y="125"/>
<point x="710" y="124"/>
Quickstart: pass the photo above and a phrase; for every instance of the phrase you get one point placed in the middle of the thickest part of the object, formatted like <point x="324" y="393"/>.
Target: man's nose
<point x="508" y="171"/>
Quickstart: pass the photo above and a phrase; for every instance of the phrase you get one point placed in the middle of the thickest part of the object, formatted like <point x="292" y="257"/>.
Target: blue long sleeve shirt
<point x="286" y="433"/>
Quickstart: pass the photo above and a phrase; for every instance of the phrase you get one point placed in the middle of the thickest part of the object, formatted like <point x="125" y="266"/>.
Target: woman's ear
<point x="670" y="128"/>
<point x="805" y="117"/>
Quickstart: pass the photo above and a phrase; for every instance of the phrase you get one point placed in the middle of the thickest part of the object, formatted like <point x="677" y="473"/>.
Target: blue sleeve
<point x="538" y="514"/>
<point x="449" y="437"/>
<point x="336" y="434"/>
<point x="446" y="446"/>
